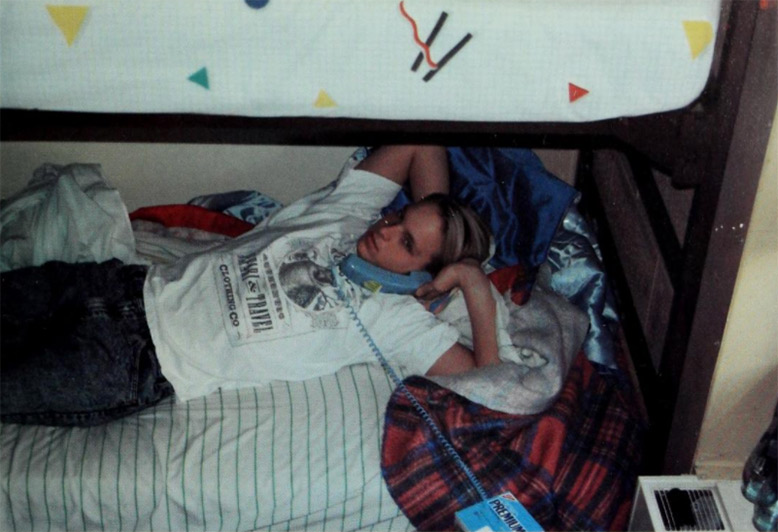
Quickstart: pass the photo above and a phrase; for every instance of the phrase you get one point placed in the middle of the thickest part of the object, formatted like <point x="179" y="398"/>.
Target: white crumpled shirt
<point x="67" y="213"/>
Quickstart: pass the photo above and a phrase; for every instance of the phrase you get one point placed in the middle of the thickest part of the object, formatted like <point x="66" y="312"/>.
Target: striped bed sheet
<point x="290" y="456"/>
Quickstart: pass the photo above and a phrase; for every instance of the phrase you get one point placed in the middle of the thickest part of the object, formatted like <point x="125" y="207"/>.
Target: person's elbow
<point x="457" y="359"/>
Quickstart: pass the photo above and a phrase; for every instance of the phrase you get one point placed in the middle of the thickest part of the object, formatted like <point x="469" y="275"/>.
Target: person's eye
<point x="408" y="244"/>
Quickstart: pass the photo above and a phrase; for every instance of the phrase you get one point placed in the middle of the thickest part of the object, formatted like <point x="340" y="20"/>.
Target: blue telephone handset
<point x="362" y="272"/>
<point x="377" y="279"/>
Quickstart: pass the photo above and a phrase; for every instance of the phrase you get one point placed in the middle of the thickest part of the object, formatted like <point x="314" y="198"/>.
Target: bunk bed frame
<point x="714" y="147"/>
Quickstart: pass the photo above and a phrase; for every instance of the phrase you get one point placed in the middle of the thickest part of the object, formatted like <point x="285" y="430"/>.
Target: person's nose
<point x="385" y="232"/>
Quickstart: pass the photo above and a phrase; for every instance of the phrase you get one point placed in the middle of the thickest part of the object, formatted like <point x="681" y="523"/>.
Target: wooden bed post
<point x="742" y="120"/>
<point x="715" y="146"/>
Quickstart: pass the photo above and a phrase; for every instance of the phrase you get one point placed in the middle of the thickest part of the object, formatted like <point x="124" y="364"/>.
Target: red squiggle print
<point x="416" y="38"/>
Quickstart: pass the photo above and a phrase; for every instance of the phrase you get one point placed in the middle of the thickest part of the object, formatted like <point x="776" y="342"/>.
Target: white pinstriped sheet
<point x="296" y="455"/>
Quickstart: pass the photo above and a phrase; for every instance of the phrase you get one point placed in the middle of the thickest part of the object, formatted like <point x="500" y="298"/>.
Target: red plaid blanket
<point x="574" y="467"/>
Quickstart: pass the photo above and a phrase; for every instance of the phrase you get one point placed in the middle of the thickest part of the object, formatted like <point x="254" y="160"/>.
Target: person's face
<point x="403" y="241"/>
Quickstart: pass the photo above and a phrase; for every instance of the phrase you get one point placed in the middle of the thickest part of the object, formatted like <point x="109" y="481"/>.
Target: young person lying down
<point x="84" y="344"/>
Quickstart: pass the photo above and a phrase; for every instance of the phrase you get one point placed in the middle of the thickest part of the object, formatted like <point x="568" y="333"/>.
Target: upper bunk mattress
<point x="501" y="60"/>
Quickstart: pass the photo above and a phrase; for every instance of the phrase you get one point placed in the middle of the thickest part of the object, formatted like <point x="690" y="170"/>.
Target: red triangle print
<point x="576" y="92"/>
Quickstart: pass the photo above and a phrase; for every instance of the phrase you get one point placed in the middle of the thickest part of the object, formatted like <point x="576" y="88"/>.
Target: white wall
<point x="158" y="174"/>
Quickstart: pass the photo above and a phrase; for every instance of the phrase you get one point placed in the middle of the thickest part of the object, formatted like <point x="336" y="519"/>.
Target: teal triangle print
<point x="200" y="77"/>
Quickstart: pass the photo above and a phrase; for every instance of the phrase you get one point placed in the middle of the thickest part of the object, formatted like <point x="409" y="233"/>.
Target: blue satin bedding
<point x="577" y="274"/>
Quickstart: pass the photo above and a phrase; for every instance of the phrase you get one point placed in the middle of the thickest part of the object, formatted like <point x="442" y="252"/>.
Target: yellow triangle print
<point x="699" y="34"/>
<point x="68" y="19"/>
<point x="324" y="100"/>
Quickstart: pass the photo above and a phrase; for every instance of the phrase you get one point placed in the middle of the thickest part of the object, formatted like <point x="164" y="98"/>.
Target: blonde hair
<point x="465" y="235"/>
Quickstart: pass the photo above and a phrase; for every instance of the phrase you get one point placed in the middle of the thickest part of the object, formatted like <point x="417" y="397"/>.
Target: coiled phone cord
<point x="442" y="440"/>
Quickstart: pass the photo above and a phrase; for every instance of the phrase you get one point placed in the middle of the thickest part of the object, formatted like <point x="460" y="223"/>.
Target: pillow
<point x="512" y="191"/>
<point x="193" y="216"/>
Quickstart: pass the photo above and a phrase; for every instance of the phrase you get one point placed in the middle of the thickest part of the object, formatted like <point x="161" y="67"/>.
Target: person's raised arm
<point x="424" y="168"/>
<point x="482" y="310"/>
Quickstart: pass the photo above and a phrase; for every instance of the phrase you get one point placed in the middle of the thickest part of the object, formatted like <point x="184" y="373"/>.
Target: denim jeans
<point x="75" y="347"/>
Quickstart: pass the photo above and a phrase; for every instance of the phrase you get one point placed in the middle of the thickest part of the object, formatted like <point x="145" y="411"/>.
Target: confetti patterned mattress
<point x="502" y="60"/>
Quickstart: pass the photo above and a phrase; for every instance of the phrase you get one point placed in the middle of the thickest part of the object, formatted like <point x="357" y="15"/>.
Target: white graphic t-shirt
<point x="265" y="305"/>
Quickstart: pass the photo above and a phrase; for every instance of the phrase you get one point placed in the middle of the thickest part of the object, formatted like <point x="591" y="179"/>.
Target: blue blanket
<point x="522" y="202"/>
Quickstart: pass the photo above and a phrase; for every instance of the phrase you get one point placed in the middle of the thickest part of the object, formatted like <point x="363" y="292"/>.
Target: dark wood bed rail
<point x="723" y="140"/>
<point x="34" y="125"/>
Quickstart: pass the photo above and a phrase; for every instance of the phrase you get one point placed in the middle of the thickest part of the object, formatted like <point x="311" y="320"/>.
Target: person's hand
<point x="468" y="277"/>
<point x="458" y="275"/>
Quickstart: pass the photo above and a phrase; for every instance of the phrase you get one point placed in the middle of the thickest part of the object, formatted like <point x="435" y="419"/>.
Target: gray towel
<point x="544" y="335"/>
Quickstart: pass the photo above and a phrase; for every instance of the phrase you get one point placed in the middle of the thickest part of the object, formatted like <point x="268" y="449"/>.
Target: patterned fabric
<point x="288" y="456"/>
<point x="249" y="205"/>
<point x="574" y="467"/>
<point x="570" y="61"/>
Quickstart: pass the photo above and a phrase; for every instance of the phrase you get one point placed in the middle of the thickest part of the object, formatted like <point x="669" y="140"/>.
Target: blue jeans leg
<point x="75" y="347"/>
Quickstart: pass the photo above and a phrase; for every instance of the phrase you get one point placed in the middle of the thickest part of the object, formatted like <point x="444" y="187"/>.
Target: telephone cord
<point x="441" y="438"/>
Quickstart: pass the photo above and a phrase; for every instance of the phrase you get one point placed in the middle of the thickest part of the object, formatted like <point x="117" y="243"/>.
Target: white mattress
<point x="526" y="60"/>
<point x="290" y="456"/>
